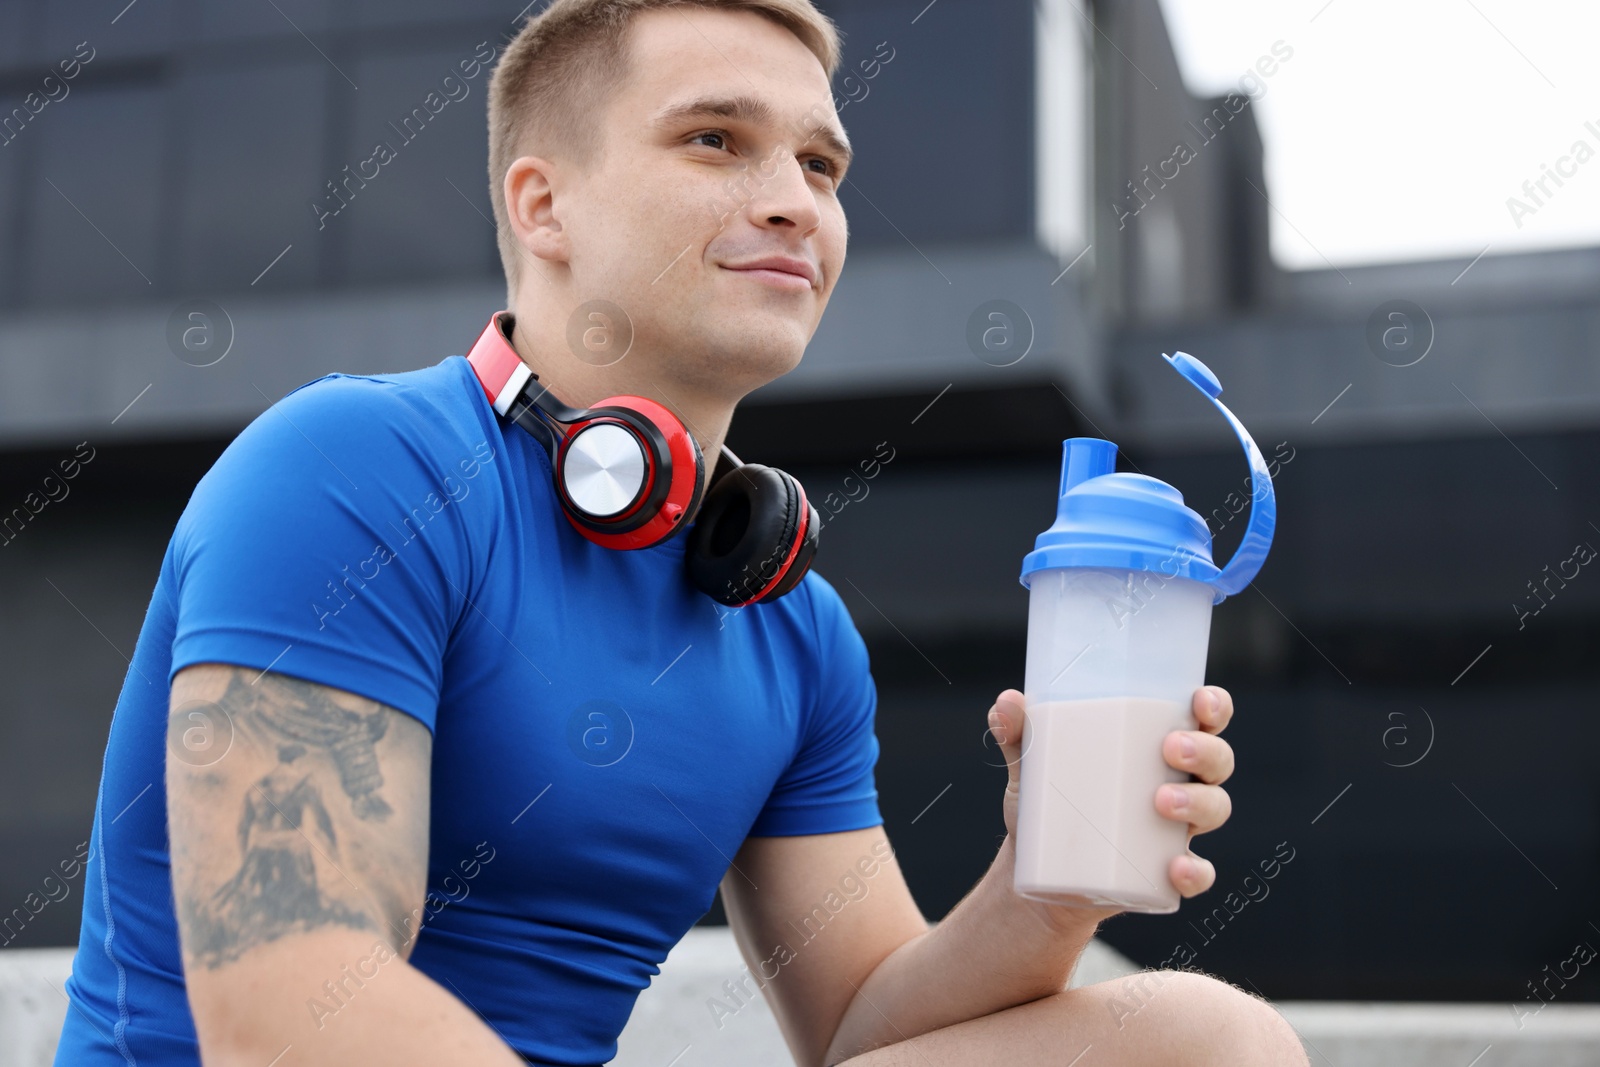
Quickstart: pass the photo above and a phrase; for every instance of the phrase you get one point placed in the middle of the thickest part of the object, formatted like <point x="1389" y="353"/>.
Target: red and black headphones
<point x="629" y="474"/>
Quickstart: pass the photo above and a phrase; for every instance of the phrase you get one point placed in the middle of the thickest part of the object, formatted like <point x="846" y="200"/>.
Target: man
<point x="444" y="780"/>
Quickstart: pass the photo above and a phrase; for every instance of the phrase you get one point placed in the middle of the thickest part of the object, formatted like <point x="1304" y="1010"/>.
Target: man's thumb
<point x="1005" y="723"/>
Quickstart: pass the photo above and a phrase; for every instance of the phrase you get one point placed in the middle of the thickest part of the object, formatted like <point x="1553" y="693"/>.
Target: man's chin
<point x="756" y="350"/>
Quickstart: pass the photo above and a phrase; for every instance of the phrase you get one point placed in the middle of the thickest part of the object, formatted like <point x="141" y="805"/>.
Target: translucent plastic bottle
<point x="1119" y="617"/>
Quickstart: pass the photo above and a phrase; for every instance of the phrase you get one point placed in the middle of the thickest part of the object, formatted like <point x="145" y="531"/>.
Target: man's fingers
<point x="1005" y="724"/>
<point x="1203" y="807"/>
<point x="1191" y="874"/>
<point x="1213" y="708"/>
<point x="1207" y="757"/>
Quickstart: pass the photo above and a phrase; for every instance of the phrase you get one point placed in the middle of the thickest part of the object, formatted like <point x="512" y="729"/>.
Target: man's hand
<point x="1202" y="804"/>
<point x="995" y="950"/>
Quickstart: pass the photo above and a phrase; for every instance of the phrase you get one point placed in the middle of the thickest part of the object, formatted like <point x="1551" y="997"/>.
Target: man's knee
<point x="1200" y="1019"/>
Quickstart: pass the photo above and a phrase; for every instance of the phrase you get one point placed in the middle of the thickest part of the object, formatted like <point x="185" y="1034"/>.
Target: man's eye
<point x="715" y="135"/>
<point x="826" y="167"/>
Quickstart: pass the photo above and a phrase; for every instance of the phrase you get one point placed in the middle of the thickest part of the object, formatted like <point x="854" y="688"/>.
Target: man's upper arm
<point x="299" y="853"/>
<point x="813" y="915"/>
<point x="336" y="540"/>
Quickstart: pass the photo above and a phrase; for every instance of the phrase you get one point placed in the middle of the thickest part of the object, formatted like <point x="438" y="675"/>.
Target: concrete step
<point x="1385" y="1034"/>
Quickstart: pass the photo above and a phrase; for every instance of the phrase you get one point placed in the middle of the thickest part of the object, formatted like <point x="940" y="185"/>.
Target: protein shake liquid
<point x="1119" y="615"/>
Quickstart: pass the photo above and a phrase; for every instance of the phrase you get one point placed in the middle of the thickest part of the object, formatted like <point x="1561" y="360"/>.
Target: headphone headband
<point x="505" y="378"/>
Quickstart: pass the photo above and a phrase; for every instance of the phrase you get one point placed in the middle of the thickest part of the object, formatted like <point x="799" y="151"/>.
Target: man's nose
<point x="782" y="196"/>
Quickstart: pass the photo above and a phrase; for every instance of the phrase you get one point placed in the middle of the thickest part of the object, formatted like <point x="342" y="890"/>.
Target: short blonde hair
<point x="565" y="62"/>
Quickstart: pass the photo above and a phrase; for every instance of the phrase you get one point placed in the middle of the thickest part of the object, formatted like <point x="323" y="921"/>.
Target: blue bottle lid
<point x="1135" y="522"/>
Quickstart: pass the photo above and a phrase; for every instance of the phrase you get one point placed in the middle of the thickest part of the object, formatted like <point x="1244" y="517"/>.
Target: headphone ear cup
<point x="804" y="553"/>
<point x="673" y="465"/>
<point x="755" y="537"/>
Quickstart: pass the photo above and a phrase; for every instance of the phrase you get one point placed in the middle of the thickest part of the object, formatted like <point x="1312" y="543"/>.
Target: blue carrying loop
<point x="1252" y="551"/>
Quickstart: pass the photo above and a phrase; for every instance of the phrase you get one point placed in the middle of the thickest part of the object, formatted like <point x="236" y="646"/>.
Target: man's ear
<point x="531" y="209"/>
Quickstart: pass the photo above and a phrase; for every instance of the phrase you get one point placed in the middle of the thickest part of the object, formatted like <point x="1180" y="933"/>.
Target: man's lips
<point x="775" y="268"/>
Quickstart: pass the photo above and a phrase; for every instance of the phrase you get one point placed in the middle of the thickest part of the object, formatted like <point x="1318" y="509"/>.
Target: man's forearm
<point x="992" y="952"/>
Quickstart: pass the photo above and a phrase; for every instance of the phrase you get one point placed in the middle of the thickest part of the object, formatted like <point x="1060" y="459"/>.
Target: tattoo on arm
<point x="292" y="874"/>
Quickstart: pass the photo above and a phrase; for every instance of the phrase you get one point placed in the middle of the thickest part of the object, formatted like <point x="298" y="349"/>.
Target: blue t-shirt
<point x="605" y="736"/>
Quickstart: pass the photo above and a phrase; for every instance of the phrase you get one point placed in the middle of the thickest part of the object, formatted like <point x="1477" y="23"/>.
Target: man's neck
<point x="576" y="383"/>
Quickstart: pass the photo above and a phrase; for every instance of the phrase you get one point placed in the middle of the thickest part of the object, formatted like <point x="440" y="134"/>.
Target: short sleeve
<point x="829" y="786"/>
<point x="329" y="542"/>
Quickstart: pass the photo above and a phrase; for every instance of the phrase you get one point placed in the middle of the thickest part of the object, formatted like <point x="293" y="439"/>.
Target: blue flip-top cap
<point x="1135" y="522"/>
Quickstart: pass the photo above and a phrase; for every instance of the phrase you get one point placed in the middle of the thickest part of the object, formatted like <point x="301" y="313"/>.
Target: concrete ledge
<point x="690" y="1019"/>
<point x="33" y="1004"/>
<point x="1356" y="1034"/>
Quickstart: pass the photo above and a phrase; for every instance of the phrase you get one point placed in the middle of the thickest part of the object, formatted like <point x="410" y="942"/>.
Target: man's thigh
<point x="1149" y="1018"/>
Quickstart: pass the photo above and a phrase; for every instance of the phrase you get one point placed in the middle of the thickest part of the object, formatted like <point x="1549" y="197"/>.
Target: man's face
<point x="716" y="153"/>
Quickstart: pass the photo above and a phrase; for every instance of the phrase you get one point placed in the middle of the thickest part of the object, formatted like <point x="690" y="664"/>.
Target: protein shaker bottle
<point x="1119" y="616"/>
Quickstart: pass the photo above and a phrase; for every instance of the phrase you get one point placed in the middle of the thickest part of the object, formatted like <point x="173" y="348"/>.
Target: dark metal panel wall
<point x="194" y="143"/>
